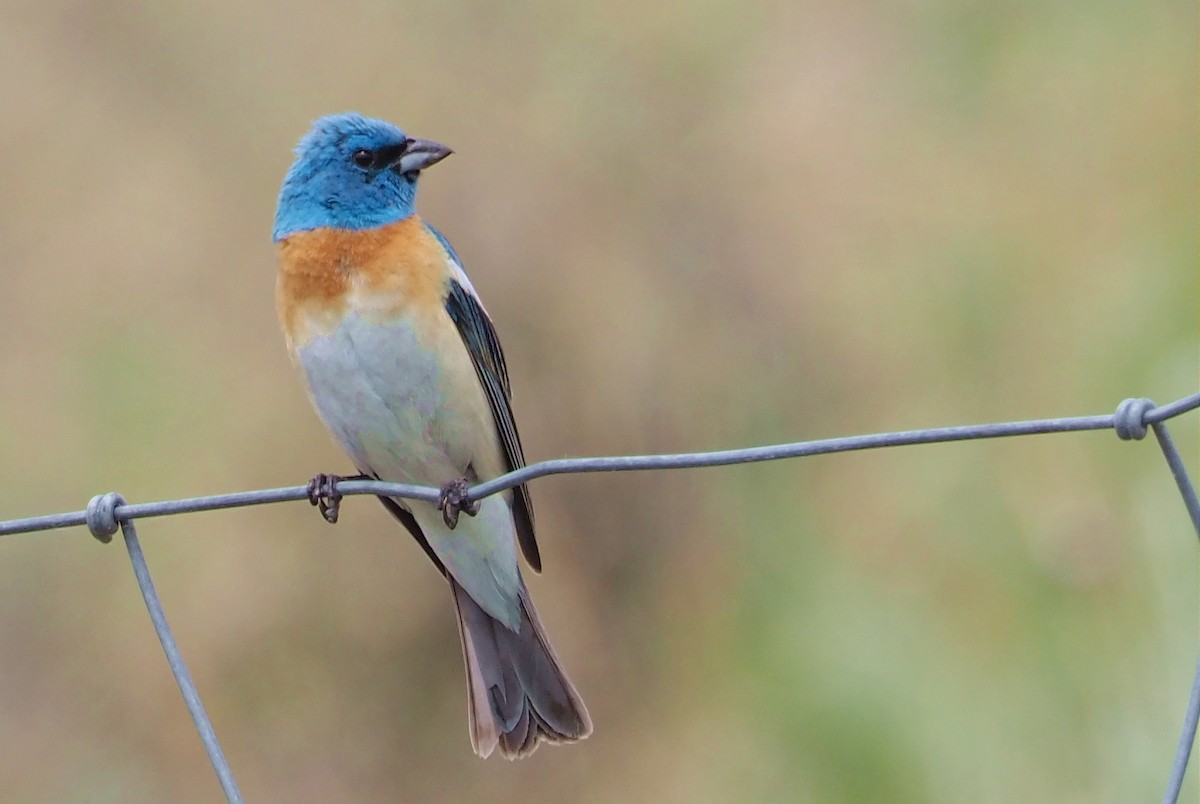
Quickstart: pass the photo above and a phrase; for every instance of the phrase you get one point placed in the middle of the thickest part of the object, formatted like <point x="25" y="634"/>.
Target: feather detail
<point x="517" y="693"/>
<point x="482" y="343"/>
<point x="324" y="272"/>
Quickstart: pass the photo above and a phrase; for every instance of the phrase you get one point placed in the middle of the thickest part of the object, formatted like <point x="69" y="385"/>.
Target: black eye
<point x="363" y="158"/>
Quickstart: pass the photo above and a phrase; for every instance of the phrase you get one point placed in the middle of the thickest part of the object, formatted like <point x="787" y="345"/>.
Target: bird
<point x="404" y="367"/>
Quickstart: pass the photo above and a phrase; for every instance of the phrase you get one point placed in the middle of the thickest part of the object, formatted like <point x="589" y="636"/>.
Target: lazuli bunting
<point x="405" y="369"/>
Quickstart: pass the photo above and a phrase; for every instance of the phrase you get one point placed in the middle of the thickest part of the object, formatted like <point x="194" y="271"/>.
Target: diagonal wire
<point x="191" y="696"/>
<point x="103" y="524"/>
<point x="1187" y="735"/>
<point x="1179" y="471"/>
<point x="105" y="513"/>
<point x="1187" y="739"/>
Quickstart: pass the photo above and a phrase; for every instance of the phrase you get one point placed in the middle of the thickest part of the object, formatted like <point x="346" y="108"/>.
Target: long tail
<point x="517" y="694"/>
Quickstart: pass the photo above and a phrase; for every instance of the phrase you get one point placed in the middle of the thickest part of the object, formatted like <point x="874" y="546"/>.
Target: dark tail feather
<point x="517" y="694"/>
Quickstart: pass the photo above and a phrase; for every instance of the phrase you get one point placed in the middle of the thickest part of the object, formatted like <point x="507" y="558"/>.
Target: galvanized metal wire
<point x="107" y="513"/>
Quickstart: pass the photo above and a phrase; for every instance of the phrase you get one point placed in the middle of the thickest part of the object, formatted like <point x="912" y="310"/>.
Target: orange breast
<point x="325" y="273"/>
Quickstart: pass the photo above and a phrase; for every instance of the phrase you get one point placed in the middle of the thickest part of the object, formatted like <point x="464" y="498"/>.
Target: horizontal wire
<point x="1171" y="409"/>
<point x="623" y="463"/>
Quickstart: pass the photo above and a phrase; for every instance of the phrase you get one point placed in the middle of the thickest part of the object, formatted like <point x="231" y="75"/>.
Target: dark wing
<point x="479" y="336"/>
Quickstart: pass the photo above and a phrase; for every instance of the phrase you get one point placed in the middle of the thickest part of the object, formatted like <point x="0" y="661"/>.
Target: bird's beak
<point x="420" y="154"/>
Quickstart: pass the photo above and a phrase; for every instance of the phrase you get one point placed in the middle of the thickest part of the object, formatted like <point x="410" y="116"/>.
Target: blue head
<point x="352" y="172"/>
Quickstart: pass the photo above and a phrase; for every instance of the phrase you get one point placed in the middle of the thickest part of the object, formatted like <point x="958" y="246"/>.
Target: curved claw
<point x="454" y="500"/>
<point x="323" y="493"/>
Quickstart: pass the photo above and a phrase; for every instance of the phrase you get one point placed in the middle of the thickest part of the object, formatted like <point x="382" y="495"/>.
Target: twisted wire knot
<point x="1129" y="421"/>
<point x="101" y="515"/>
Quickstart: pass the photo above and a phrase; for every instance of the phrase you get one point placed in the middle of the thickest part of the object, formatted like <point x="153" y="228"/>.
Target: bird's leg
<point x="454" y="500"/>
<point x="323" y="493"/>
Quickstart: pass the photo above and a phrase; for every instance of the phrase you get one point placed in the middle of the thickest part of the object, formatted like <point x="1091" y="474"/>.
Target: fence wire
<point x="106" y="513"/>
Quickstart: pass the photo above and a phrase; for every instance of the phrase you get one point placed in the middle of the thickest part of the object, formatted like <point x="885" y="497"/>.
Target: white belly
<point x="400" y="411"/>
<point x="410" y="409"/>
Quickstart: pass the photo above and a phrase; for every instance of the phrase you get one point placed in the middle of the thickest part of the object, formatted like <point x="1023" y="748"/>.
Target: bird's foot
<point x="323" y="493"/>
<point x="454" y="500"/>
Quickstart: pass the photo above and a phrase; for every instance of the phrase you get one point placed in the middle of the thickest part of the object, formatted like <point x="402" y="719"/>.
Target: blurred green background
<point x="698" y="225"/>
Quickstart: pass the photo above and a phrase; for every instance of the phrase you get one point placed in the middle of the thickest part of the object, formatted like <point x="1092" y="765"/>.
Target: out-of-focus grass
<point x="697" y="226"/>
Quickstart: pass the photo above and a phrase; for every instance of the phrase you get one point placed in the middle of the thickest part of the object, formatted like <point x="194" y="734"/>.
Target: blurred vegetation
<point x="697" y="225"/>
